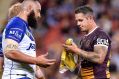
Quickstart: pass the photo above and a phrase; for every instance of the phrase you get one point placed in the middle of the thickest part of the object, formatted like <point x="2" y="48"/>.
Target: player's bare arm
<point x="12" y="52"/>
<point x="97" y="56"/>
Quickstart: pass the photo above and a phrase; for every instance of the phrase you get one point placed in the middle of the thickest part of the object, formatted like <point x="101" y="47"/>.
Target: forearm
<point x="12" y="52"/>
<point x="92" y="56"/>
<point x="96" y="56"/>
<point x="20" y="57"/>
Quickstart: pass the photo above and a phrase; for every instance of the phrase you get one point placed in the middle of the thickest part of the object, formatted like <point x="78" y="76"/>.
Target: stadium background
<point x="57" y="24"/>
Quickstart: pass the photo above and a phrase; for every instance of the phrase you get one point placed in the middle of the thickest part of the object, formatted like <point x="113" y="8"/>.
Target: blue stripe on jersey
<point x="16" y="29"/>
<point x="1" y="53"/>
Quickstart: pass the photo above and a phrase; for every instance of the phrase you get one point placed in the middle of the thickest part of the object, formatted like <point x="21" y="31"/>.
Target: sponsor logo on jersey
<point x="31" y="46"/>
<point x="102" y="41"/>
<point x="16" y="33"/>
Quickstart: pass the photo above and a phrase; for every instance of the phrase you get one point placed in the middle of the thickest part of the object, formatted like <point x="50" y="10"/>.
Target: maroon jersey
<point x="90" y="70"/>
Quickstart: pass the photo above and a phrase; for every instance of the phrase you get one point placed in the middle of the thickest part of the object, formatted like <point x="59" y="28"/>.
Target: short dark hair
<point x="84" y="9"/>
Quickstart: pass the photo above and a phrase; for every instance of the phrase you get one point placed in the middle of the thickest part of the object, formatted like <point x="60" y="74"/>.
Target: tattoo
<point x="11" y="47"/>
<point x="97" y="56"/>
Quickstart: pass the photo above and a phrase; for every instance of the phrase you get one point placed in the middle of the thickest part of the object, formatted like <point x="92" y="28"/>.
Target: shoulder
<point x="101" y="33"/>
<point x="15" y="22"/>
<point x="15" y="29"/>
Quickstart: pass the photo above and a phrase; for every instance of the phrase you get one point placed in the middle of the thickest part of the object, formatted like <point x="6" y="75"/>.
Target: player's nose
<point x="78" y="24"/>
<point x="38" y="16"/>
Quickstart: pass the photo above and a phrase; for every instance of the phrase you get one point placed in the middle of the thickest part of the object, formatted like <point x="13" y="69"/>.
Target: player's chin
<point x="83" y="30"/>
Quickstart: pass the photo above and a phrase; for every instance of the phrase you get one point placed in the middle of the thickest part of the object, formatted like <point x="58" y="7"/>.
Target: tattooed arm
<point x="97" y="56"/>
<point x="11" y="51"/>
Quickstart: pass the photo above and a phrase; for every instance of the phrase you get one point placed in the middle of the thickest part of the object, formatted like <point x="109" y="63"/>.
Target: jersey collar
<point x="92" y="31"/>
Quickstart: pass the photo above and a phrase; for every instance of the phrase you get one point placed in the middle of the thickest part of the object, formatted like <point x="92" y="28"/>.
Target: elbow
<point x="9" y="55"/>
<point x="100" y="61"/>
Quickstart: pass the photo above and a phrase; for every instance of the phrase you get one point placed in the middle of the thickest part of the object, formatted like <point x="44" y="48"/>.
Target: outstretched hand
<point x="42" y="61"/>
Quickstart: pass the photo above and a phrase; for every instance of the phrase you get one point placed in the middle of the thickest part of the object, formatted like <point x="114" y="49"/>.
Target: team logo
<point x="87" y="43"/>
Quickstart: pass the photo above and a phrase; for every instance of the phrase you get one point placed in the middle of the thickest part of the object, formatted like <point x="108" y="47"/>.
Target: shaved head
<point x="31" y="4"/>
<point x="31" y="12"/>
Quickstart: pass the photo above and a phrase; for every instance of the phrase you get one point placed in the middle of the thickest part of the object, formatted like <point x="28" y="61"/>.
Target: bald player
<point x="18" y="44"/>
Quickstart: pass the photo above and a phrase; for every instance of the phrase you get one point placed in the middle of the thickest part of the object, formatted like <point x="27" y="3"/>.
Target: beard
<point x="32" y="22"/>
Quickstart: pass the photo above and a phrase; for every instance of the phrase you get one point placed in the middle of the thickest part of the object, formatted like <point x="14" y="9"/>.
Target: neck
<point x="93" y="26"/>
<point x="23" y="16"/>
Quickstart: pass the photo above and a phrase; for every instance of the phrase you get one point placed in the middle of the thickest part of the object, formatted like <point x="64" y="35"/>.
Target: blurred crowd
<point x="58" y="23"/>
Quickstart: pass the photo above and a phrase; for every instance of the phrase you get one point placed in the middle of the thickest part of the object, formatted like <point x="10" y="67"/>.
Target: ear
<point x="90" y="16"/>
<point x="30" y="8"/>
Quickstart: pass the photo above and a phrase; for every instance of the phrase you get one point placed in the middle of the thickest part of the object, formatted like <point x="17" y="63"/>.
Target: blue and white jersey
<point x="18" y="30"/>
<point x="1" y="53"/>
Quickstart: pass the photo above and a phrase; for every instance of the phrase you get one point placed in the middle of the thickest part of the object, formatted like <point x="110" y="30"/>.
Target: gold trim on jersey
<point x="107" y="72"/>
<point x="87" y="73"/>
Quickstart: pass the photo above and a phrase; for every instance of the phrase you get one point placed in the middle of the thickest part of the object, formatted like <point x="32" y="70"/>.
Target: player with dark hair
<point x="94" y="47"/>
<point x="18" y="45"/>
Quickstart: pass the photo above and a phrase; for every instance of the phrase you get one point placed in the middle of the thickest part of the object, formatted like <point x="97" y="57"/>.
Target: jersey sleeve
<point x="1" y="53"/>
<point x="15" y="32"/>
<point x="102" y="40"/>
